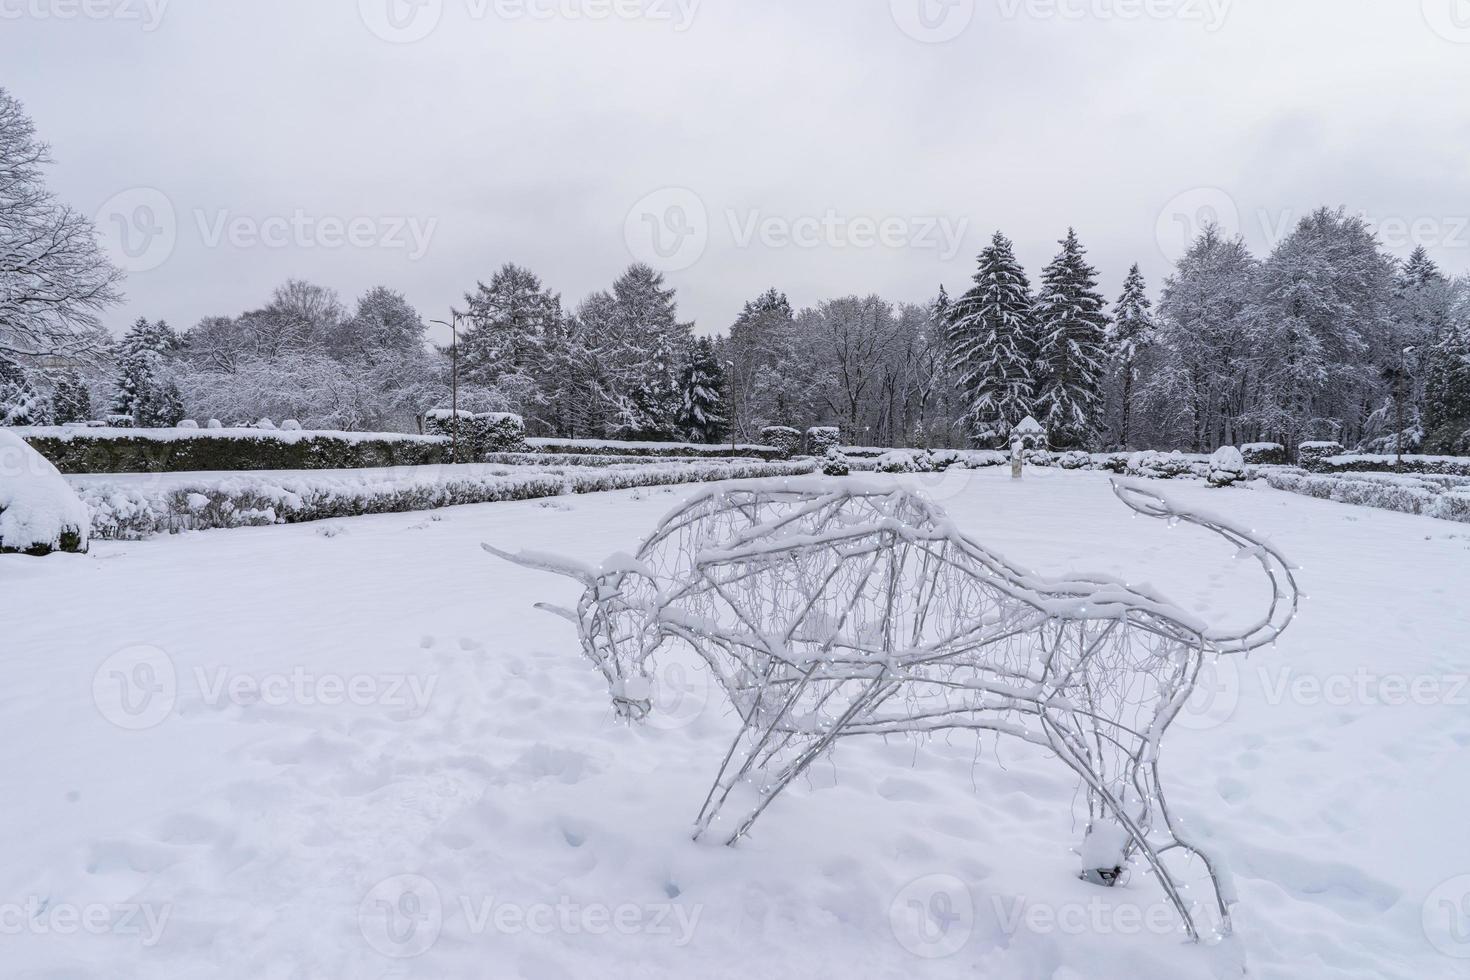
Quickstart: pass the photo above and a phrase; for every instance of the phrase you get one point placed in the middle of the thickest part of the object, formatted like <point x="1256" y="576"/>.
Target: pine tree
<point x="1130" y="333"/>
<point x="20" y="403"/>
<point x="702" y="415"/>
<point x="141" y="390"/>
<point x="1072" y="327"/>
<point x="71" y="401"/>
<point x="1447" y="395"/>
<point x="992" y="344"/>
<point x="508" y="321"/>
<point x="651" y="345"/>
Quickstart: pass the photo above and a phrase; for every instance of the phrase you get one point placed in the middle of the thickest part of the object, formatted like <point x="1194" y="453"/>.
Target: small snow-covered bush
<point x="39" y="511"/>
<point x="119" y="421"/>
<point x="822" y="438"/>
<point x="782" y="438"/>
<point x="291" y="425"/>
<point x="214" y="424"/>
<point x="265" y="424"/>
<point x="835" y="464"/>
<point x="1227" y="466"/>
<point x="188" y="424"/>
<point x="1265" y="454"/>
<point x="1075" y="460"/>
<point x="1309" y="454"/>
<point x="1164" y="466"/>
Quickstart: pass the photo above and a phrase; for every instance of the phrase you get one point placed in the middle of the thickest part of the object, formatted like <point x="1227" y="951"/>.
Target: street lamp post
<point x="453" y="380"/>
<point x="734" y="408"/>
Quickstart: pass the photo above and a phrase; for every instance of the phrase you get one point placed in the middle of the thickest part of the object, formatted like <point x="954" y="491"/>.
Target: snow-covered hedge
<point x="479" y="434"/>
<point x="1265" y="454"/>
<point x="75" y="449"/>
<point x="544" y="460"/>
<point x="1363" y="463"/>
<point x="1401" y="493"/>
<point x="137" y="507"/>
<point x="1309" y="454"/>
<point x="822" y="438"/>
<point x="782" y="438"/>
<point x="39" y="512"/>
<point x="611" y="447"/>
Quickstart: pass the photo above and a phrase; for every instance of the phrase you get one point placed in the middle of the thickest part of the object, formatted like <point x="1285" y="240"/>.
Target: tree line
<point x="1326" y="337"/>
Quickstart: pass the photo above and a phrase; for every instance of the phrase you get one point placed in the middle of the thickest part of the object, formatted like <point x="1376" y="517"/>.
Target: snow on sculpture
<point x="826" y="614"/>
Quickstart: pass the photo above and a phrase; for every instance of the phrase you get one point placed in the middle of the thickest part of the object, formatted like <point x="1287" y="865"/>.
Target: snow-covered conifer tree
<point x="20" y="403"/>
<point x="992" y="344"/>
<point x="1072" y="328"/>
<point x="1129" y="335"/>
<point x="71" y="401"/>
<point x="702" y="416"/>
<point x="508" y="320"/>
<point x="141" y="389"/>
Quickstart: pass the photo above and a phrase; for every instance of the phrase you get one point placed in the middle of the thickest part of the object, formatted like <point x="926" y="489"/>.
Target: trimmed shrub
<point x="1360" y="463"/>
<point x="291" y="425"/>
<point x="119" y="421"/>
<point x="1405" y="495"/>
<point x="835" y="464"/>
<point x="658" y="450"/>
<point x="1075" y="460"/>
<point x="1265" y="454"/>
<point x="39" y="512"/>
<point x="821" y="439"/>
<point x="1310" y="454"/>
<point x="782" y="438"/>
<point x="132" y="509"/>
<point x="1227" y="466"/>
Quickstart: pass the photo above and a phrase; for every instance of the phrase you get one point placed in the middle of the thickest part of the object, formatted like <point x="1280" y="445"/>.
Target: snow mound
<point x="39" y="512"/>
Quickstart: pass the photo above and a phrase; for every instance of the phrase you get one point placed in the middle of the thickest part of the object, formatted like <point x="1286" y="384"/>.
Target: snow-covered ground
<point x="353" y="749"/>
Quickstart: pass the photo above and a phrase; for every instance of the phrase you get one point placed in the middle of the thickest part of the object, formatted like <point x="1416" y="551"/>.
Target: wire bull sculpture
<point x="826" y="614"/>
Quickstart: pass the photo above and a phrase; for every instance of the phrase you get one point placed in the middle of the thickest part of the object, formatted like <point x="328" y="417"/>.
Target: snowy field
<point x="352" y="748"/>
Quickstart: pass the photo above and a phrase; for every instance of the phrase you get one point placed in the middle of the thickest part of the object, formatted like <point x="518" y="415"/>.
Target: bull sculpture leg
<point x="775" y="745"/>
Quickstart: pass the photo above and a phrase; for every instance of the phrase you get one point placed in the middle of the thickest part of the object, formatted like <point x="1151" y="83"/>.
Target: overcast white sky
<point x="820" y="146"/>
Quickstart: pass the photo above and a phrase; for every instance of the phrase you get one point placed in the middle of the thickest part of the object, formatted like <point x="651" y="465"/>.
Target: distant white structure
<point x="1028" y="435"/>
